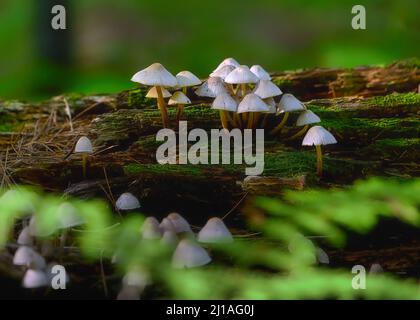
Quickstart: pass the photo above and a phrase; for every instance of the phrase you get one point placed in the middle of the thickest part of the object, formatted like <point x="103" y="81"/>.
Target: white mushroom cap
<point x="241" y="74"/>
<point x="252" y="103"/>
<point x="307" y="117"/>
<point x="150" y="229"/>
<point x="36" y="231"/>
<point x="170" y="238"/>
<point x="215" y="230"/>
<point x="179" y="98"/>
<point x="25" y="238"/>
<point x="127" y="201"/>
<point x="26" y="256"/>
<point x="260" y="72"/>
<point x="129" y="293"/>
<point x="34" y="279"/>
<point x="211" y="88"/>
<point x="180" y="224"/>
<point x="376" y="268"/>
<point x="322" y="256"/>
<point x="152" y="93"/>
<point x="83" y="145"/>
<point x="225" y="102"/>
<point x="318" y="136"/>
<point x="228" y="62"/>
<point x="136" y="277"/>
<point x="155" y="75"/>
<point x="187" y="79"/>
<point x="266" y="89"/>
<point x="189" y="254"/>
<point x="271" y="105"/>
<point x="223" y="72"/>
<point x="68" y="216"/>
<point x="167" y="225"/>
<point x="289" y="103"/>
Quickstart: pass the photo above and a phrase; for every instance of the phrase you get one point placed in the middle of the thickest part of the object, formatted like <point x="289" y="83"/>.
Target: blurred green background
<point x="107" y="40"/>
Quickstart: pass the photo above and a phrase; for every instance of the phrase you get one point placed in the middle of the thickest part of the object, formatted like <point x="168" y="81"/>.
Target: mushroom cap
<point x="252" y="103"/>
<point x="225" y="102"/>
<point x="83" y="145"/>
<point x="25" y="238"/>
<point x="376" y="268"/>
<point x="271" y="105"/>
<point x="68" y="216"/>
<point x="189" y="254"/>
<point x="169" y="238"/>
<point x="36" y="231"/>
<point x="289" y="103"/>
<point x="180" y="224"/>
<point x="136" y="277"/>
<point x="155" y="75"/>
<point x="127" y="201"/>
<point x="228" y="62"/>
<point x="211" y="88"/>
<point x="129" y="293"/>
<point x="26" y="256"/>
<point x="260" y="72"/>
<point x="266" y="89"/>
<point x="166" y="225"/>
<point x="317" y="136"/>
<point x="152" y="93"/>
<point x="179" y="98"/>
<point x="241" y="74"/>
<point x="322" y="256"/>
<point x="307" y="117"/>
<point x="187" y="79"/>
<point x="34" y="279"/>
<point x="223" y="71"/>
<point x="150" y="229"/>
<point x="215" y="230"/>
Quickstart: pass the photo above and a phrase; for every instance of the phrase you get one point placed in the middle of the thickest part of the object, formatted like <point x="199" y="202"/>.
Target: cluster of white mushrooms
<point x="175" y="232"/>
<point x="245" y="97"/>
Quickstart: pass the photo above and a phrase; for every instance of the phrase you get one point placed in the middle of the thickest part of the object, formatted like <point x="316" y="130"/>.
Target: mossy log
<point x="377" y="127"/>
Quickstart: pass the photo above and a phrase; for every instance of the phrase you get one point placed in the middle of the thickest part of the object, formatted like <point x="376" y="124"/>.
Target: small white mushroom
<point x="215" y="231"/>
<point x="288" y="103"/>
<point x="322" y="256"/>
<point x="170" y="238"/>
<point x="305" y="118"/>
<point x="241" y="76"/>
<point x="136" y="277"/>
<point x="223" y="71"/>
<point x="25" y="238"/>
<point x="189" y="254"/>
<point x="225" y="103"/>
<point x="26" y="256"/>
<point x="179" y="99"/>
<point x="84" y="147"/>
<point x="228" y="62"/>
<point x="36" y="230"/>
<point x="376" y="268"/>
<point x="34" y="279"/>
<point x="251" y="104"/>
<point x="181" y="225"/>
<point x="187" y="79"/>
<point x="211" y="88"/>
<point x="166" y="225"/>
<point x="68" y="216"/>
<point x="150" y="229"/>
<point x="153" y="94"/>
<point x="266" y="89"/>
<point x="260" y="72"/>
<point x="127" y="201"/>
<point x="318" y="136"/>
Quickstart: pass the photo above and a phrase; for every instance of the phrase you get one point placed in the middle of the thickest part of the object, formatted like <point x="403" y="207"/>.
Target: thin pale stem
<point x="250" y="120"/>
<point x="300" y="133"/>
<point x="224" y="119"/>
<point x="162" y="107"/>
<point x="278" y="128"/>
<point x="180" y="112"/>
<point x="318" y="161"/>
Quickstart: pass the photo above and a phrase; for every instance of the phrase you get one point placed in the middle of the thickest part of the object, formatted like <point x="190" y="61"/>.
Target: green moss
<point x="9" y="124"/>
<point x="137" y="168"/>
<point x="409" y="63"/>
<point x="136" y="98"/>
<point x="398" y="143"/>
<point x="282" y="82"/>
<point x="395" y="99"/>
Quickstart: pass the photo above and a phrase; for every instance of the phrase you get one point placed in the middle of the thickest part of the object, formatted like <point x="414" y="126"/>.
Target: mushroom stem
<point x="238" y="120"/>
<point x="179" y="112"/>
<point x="244" y="119"/>
<point x="318" y="160"/>
<point x="278" y="128"/>
<point x="250" y="120"/>
<point x="243" y="89"/>
<point x="162" y="107"/>
<point x="232" y="89"/>
<point x="230" y="118"/>
<point x="300" y="133"/>
<point x="184" y="90"/>
<point x="224" y="119"/>
<point x="256" y="119"/>
<point x="84" y="163"/>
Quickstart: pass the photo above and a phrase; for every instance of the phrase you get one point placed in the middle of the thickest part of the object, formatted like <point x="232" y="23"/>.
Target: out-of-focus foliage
<point x="113" y="39"/>
<point x="281" y="264"/>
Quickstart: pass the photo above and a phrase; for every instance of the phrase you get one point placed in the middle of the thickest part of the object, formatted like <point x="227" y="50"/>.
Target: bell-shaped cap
<point x="228" y="62"/>
<point x="127" y="201"/>
<point x="166" y="225"/>
<point x="180" y="224"/>
<point x="322" y="256"/>
<point x="211" y="88"/>
<point x="289" y="103"/>
<point x="136" y="277"/>
<point x="271" y="104"/>
<point x="266" y="89"/>
<point x="241" y="74"/>
<point x="225" y="102"/>
<point x="25" y="238"/>
<point x="223" y="72"/>
<point x="150" y="229"/>
<point x="307" y="117"/>
<point x="317" y="136"/>
<point x="189" y="254"/>
<point x="68" y="216"/>
<point x="152" y="93"/>
<point x="376" y="268"/>
<point x="170" y="238"/>
<point x="215" y="230"/>
<point x="252" y="103"/>
<point x="83" y="145"/>
<point x="155" y="75"/>
<point x="34" y="279"/>
<point x="187" y="79"/>
<point x="260" y="72"/>
<point x="26" y="256"/>
<point x="179" y="98"/>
